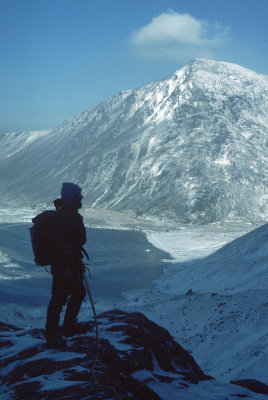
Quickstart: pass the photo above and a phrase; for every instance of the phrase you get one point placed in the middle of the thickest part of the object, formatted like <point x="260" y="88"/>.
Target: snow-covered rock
<point x="137" y="360"/>
<point x="192" y="146"/>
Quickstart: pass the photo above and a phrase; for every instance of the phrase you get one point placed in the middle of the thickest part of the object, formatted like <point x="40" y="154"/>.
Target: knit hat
<point x="69" y="191"/>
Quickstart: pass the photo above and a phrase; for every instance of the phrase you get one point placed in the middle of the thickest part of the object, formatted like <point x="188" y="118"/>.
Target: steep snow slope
<point x="217" y="306"/>
<point x="192" y="146"/>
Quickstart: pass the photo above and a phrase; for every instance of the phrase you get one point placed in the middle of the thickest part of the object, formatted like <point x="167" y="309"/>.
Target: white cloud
<point x="178" y="36"/>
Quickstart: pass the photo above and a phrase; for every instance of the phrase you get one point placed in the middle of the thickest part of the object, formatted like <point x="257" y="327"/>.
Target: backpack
<point x="48" y="235"/>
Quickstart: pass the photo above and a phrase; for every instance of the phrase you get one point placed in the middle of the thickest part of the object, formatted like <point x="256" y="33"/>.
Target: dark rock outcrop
<point x="252" y="384"/>
<point x="137" y="359"/>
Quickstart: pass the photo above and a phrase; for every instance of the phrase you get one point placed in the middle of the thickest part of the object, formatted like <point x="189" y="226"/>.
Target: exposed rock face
<point x="137" y="360"/>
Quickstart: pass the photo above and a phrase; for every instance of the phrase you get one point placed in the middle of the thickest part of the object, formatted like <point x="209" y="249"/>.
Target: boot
<point x="76" y="329"/>
<point x="55" y="340"/>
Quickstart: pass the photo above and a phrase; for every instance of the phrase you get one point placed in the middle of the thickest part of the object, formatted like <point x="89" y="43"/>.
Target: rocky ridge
<point x="137" y="360"/>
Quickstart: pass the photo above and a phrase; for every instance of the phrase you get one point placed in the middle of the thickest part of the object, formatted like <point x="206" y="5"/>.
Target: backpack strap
<point x="84" y="252"/>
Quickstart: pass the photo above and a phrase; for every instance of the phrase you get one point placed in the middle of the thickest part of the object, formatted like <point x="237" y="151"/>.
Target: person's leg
<point x="58" y="300"/>
<point x="78" y="294"/>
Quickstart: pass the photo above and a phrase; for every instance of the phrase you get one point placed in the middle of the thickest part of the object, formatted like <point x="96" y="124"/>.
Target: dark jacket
<point x="74" y="233"/>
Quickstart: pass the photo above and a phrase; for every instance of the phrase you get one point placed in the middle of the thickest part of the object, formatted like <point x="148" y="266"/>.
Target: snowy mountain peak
<point x="221" y="76"/>
<point x="217" y="67"/>
<point x="191" y="146"/>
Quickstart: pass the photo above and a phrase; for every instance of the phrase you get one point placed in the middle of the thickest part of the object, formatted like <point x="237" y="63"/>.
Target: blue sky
<point x="60" y="57"/>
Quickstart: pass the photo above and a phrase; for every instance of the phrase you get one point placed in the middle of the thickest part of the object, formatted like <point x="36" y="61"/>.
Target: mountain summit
<point x="192" y="146"/>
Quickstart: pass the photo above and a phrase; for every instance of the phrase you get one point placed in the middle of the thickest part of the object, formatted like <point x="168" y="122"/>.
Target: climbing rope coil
<point x="97" y="332"/>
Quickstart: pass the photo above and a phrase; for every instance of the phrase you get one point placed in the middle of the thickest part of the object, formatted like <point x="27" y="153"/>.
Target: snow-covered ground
<point x="215" y="305"/>
<point x="212" y="297"/>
